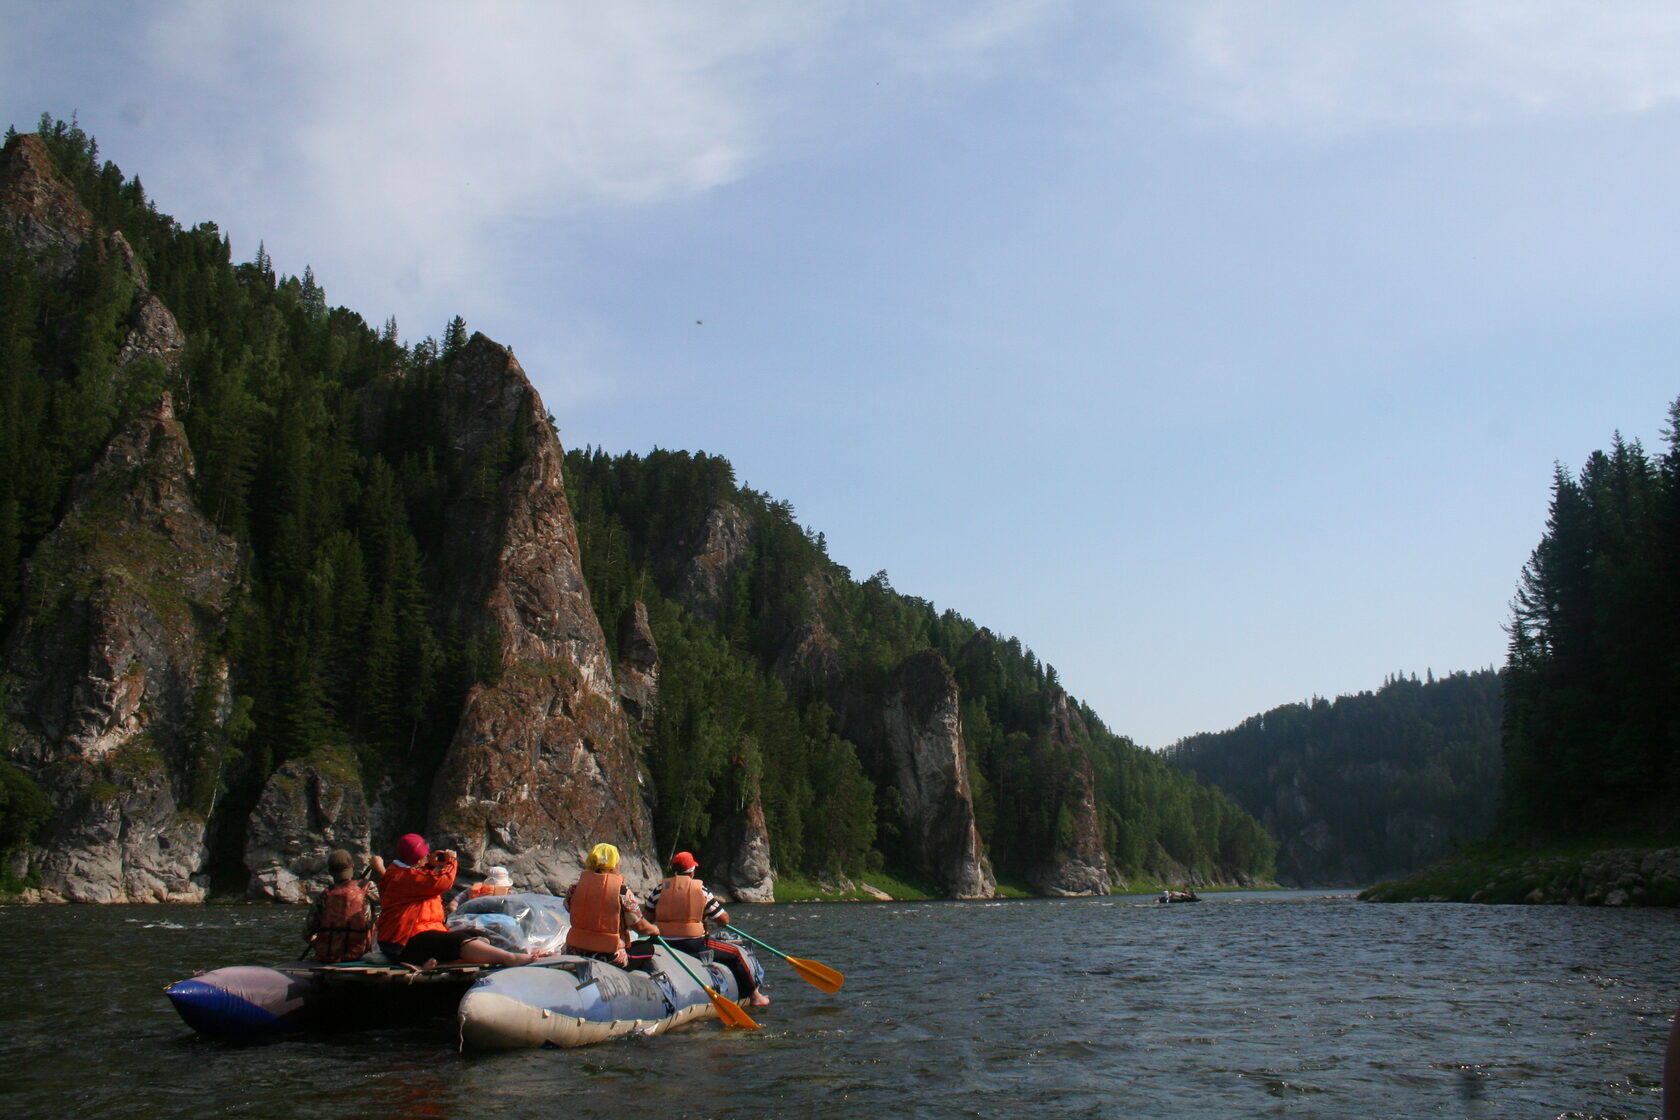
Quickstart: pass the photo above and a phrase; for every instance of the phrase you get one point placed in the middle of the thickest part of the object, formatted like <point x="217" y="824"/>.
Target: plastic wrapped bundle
<point x="520" y="923"/>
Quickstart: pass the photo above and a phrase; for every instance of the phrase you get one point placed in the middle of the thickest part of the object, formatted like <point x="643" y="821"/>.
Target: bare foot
<point x="759" y="999"/>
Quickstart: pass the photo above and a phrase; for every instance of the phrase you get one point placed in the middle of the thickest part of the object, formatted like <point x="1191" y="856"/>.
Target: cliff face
<point x="308" y="807"/>
<point x="1083" y="867"/>
<point x="115" y="699"/>
<point x="42" y="216"/>
<point x="39" y="209"/>
<point x="1390" y="841"/>
<point x="736" y="858"/>
<point x="153" y="331"/>
<point x="542" y="766"/>
<point x="638" y="669"/>
<point x="727" y="540"/>
<point x="922" y="729"/>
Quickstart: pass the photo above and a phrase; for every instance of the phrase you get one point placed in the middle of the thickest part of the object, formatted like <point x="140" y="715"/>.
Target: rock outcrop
<point x="153" y="331"/>
<point x="43" y="217"/>
<point x="542" y="765"/>
<point x="638" y="668"/>
<point x="736" y="857"/>
<point x="308" y="807"/>
<point x="39" y="208"/>
<point x="1082" y="867"/>
<point x="706" y="578"/>
<point x="115" y="701"/>
<point x="1611" y="877"/>
<point x="922" y="732"/>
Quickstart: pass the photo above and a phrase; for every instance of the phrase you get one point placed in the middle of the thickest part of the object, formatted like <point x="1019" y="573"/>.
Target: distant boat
<point x="1179" y="896"/>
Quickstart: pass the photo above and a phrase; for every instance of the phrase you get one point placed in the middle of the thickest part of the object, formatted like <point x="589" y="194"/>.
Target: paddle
<point x="728" y="1010"/>
<point x="814" y="973"/>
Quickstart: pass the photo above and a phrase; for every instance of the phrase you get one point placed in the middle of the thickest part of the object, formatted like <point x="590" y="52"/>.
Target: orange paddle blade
<point x="817" y="974"/>
<point x="730" y="1012"/>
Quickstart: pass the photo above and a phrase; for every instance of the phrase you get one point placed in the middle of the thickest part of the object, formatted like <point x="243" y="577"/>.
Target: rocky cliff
<point x="736" y="856"/>
<point x="542" y="765"/>
<point x="308" y="807"/>
<point x="922" y="731"/>
<point x="718" y="556"/>
<point x="117" y="694"/>
<point x="39" y="210"/>
<point x="413" y="644"/>
<point x="910" y="730"/>
<point x="41" y="215"/>
<point x="638" y="669"/>
<point x="1082" y="866"/>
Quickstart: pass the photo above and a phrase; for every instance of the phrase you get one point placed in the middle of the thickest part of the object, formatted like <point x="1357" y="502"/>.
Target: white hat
<point x="498" y="877"/>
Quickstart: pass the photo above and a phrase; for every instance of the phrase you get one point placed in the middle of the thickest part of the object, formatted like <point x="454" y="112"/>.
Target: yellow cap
<point x="602" y="857"/>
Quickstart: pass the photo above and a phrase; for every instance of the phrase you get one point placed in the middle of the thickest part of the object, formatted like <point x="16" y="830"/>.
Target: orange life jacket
<point x="479" y="890"/>
<point x="597" y="912"/>
<point x="410" y="900"/>
<point x="681" y="907"/>
<point x="346" y="930"/>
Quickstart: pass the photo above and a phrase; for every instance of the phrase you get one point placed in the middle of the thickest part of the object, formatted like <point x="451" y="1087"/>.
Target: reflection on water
<point x="1293" y="1004"/>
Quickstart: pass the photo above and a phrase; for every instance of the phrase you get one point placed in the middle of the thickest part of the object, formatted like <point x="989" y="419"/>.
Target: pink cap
<point x="412" y="848"/>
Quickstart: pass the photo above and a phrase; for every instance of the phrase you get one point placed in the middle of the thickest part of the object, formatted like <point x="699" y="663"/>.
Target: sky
<point x="1220" y="351"/>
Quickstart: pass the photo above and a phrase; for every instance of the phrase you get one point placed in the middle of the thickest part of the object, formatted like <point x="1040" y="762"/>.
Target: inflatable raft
<point x="575" y="1001"/>
<point x="562" y="1001"/>
<point x="250" y="1001"/>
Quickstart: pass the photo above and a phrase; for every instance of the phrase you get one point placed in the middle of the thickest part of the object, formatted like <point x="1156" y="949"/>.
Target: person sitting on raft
<point x="341" y="923"/>
<point x="604" y="911"/>
<point x="496" y="881"/>
<point x="411" y="929"/>
<point x="681" y="906"/>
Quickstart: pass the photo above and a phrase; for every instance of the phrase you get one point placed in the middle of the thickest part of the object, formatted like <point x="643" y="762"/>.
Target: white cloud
<point x="1332" y="67"/>
<point x="394" y="143"/>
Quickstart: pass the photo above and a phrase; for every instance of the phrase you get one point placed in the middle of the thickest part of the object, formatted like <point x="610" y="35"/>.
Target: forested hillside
<point x="1592" y="729"/>
<point x="1366" y="786"/>
<point x="331" y="658"/>
<point x="746" y="691"/>
<point x="331" y="641"/>
<point x="1591" y="742"/>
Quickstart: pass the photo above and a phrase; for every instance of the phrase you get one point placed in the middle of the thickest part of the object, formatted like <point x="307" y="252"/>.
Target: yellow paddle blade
<point x="817" y="974"/>
<point x="730" y="1011"/>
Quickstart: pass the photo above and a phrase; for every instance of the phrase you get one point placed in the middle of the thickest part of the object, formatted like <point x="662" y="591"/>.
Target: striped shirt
<point x="710" y="914"/>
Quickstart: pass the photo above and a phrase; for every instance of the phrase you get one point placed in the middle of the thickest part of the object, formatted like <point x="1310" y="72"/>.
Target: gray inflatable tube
<point x="574" y="1001"/>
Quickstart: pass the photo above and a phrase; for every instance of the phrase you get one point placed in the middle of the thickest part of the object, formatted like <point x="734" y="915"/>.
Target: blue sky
<point x="1219" y="351"/>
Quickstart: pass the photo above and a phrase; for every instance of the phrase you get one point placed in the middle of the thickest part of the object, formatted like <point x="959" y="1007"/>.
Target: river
<point x="1280" y="1003"/>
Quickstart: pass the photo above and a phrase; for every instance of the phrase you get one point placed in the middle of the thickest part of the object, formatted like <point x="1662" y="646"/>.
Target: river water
<point x="1283" y="1003"/>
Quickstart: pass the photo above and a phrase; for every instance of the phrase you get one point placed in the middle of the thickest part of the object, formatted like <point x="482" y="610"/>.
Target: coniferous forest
<point x="1592" y="681"/>
<point x="635" y="513"/>
<point x="1591" y="732"/>
<point x="1368" y="785"/>
<point x="332" y="642"/>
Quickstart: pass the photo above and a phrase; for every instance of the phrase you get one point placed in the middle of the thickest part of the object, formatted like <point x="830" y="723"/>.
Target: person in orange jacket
<point x="604" y="911"/>
<point x="411" y="928"/>
<point x="682" y="905"/>
<point x="496" y="881"/>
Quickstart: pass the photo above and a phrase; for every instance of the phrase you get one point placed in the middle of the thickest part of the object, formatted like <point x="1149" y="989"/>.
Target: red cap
<point x="684" y="861"/>
<point x="411" y="849"/>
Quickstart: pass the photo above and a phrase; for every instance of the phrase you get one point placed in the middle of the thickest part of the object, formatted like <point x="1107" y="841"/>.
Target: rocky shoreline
<point x="1609" y="877"/>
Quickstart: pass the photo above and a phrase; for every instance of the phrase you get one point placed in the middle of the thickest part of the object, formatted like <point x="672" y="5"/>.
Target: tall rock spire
<point x="542" y="765"/>
<point x="922" y="723"/>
